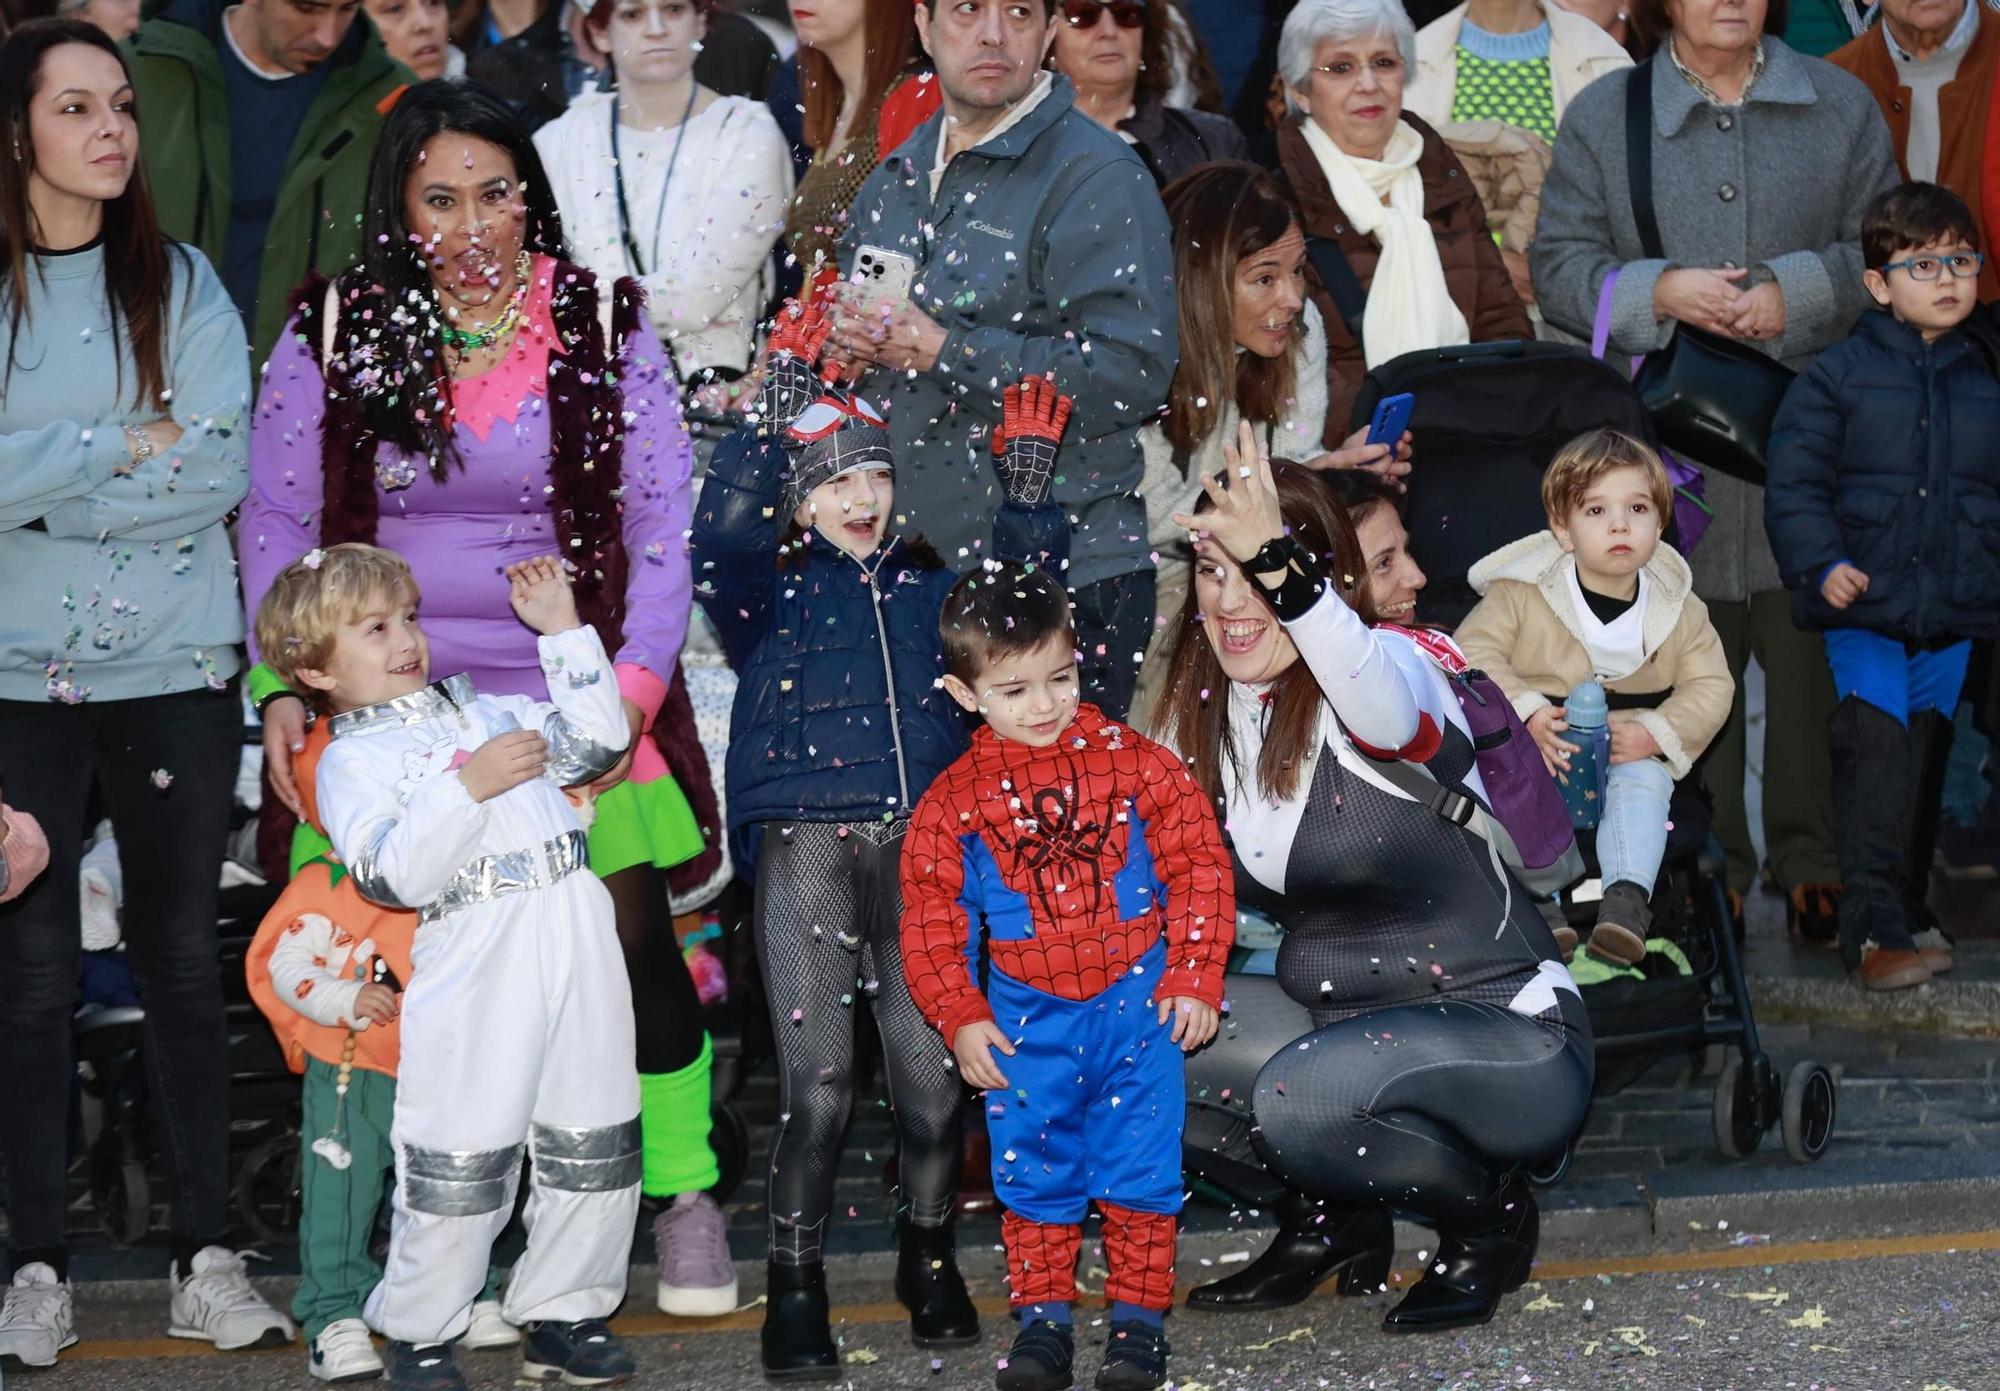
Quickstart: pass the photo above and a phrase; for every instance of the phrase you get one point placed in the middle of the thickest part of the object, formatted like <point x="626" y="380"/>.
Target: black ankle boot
<point x="1313" y="1243"/>
<point x="797" y="1342"/>
<point x="930" y="1287"/>
<point x="1474" y="1267"/>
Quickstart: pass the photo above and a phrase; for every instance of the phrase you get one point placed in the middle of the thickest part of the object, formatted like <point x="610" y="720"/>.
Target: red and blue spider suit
<point x="1097" y="868"/>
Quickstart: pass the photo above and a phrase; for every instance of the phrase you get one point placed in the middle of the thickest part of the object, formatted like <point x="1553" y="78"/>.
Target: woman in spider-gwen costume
<point x="831" y="623"/>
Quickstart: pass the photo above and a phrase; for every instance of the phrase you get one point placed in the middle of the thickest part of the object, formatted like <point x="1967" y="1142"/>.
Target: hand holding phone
<point x="1391" y="418"/>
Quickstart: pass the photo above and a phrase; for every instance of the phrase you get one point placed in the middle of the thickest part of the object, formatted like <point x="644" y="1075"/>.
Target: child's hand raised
<point x="1245" y="512"/>
<point x="503" y="763"/>
<point x="975" y="1062"/>
<point x="540" y="592"/>
<point x="376" y="1003"/>
<point x="1195" y="1021"/>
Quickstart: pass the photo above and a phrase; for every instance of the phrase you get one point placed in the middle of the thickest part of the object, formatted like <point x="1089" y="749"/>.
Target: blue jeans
<point x="1895" y="681"/>
<point x="1632" y="836"/>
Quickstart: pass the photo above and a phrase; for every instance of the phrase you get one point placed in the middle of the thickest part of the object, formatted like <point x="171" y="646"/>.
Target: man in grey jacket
<point x="1040" y="247"/>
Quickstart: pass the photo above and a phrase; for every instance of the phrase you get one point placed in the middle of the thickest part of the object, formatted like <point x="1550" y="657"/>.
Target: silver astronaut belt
<point x="516" y="871"/>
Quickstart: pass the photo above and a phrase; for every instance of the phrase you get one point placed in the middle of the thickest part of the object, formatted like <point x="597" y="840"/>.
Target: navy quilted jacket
<point x="838" y="715"/>
<point x="1883" y="455"/>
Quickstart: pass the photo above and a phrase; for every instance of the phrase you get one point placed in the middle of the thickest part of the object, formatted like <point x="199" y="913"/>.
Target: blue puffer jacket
<point x="838" y="715"/>
<point x="1884" y="455"/>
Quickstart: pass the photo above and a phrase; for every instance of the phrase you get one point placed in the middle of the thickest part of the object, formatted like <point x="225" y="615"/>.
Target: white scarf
<point x="1409" y="307"/>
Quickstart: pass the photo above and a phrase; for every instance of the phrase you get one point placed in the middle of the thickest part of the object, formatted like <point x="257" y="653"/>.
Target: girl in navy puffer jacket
<point x="838" y="729"/>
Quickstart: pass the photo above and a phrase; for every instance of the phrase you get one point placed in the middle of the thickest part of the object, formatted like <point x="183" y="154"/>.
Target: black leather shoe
<point x="930" y="1287"/>
<point x="1313" y="1244"/>
<point x="1473" y="1268"/>
<point x="797" y="1341"/>
<point x="1135" y="1358"/>
<point x="1041" y="1359"/>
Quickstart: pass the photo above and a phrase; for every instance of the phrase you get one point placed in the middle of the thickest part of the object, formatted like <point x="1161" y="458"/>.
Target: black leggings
<point x="171" y="833"/>
<point x="665" y="1008"/>
<point x="826" y="917"/>
<point x="1424" y="1107"/>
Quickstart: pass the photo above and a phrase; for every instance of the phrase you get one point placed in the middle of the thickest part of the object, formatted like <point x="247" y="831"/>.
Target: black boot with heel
<point x="1314" y="1243"/>
<point x="930" y="1287"/>
<point x="797" y="1341"/>
<point x="1474" y="1266"/>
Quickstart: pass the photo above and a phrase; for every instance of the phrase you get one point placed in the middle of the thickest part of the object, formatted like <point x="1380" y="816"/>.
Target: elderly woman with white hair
<point x="1382" y="192"/>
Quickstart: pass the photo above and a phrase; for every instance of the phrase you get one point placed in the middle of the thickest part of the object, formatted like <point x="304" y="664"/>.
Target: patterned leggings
<point x="826" y="913"/>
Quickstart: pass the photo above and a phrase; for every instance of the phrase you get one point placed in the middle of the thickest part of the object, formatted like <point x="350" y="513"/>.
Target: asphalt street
<point x="1728" y="1309"/>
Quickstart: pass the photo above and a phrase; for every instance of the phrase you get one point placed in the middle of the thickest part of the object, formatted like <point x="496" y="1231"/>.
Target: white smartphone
<point x="882" y="277"/>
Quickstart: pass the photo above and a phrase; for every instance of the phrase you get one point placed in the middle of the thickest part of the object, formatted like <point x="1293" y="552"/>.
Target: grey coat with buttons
<point x="1778" y="185"/>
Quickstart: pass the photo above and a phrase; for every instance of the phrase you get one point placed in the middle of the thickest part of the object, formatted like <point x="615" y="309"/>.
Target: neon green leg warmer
<point x="674" y="1125"/>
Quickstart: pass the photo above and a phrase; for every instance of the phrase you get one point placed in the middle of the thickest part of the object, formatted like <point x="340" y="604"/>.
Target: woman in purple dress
<point x="470" y="399"/>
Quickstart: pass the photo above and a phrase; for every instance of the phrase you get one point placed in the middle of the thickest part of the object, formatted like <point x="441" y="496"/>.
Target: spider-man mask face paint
<point x="1027" y="697"/>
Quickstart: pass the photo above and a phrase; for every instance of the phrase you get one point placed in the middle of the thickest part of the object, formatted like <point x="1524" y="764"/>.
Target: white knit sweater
<point x="723" y="213"/>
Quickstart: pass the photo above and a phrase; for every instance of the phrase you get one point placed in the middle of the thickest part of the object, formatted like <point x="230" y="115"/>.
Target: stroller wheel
<point x="125" y="1204"/>
<point x="730" y="1136"/>
<point x="1810" y="1105"/>
<point x="1737" y="1132"/>
<point x="267" y="1189"/>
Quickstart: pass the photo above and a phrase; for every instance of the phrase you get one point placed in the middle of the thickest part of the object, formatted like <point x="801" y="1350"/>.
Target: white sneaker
<point x="36" y="1322"/>
<point x="490" y="1331"/>
<point x="344" y="1352"/>
<point x="215" y="1304"/>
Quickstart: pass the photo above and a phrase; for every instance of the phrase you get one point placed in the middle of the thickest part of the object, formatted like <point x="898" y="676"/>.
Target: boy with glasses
<point x="1883" y="508"/>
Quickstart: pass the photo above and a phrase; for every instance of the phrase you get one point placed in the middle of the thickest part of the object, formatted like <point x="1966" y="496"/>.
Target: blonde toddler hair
<point x="1580" y="463"/>
<point x="310" y="598"/>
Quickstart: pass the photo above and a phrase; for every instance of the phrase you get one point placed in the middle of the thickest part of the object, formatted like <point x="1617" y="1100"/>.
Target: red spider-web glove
<point x="1032" y="419"/>
<point x="790" y="381"/>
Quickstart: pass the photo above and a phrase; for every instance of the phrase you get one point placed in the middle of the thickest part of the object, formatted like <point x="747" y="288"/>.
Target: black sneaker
<point x="1135" y="1359"/>
<point x="426" y="1368"/>
<point x="1040" y="1360"/>
<point x="577" y="1354"/>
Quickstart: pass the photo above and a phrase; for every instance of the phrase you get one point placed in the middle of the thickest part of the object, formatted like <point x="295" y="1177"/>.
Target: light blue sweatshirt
<point x="118" y="585"/>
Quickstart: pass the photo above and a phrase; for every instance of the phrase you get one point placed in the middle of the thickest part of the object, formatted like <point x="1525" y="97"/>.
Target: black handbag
<point x="1712" y="399"/>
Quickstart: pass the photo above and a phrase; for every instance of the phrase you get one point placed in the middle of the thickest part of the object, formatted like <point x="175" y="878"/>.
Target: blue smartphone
<point x="1392" y="417"/>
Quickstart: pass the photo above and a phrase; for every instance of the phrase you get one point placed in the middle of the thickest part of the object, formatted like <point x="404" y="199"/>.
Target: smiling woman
<point x="122" y="408"/>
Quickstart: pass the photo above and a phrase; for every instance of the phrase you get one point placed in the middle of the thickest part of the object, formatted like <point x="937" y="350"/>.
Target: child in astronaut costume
<point x="517" y="1020"/>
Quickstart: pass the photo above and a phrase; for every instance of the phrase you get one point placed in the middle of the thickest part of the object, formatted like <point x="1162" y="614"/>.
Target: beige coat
<point x="1579" y="53"/>
<point x="1524" y="634"/>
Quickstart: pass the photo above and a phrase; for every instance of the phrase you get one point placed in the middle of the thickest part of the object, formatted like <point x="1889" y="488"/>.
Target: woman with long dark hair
<point x="126" y="382"/>
<point x="468" y="398"/>
<point x="1450" y="1047"/>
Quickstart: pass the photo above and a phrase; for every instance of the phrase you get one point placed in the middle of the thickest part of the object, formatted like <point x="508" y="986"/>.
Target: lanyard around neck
<point x="618" y="177"/>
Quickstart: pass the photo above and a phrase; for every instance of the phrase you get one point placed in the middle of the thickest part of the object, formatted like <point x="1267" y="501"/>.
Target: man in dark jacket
<point x="258" y="122"/>
<point x="1040" y="246"/>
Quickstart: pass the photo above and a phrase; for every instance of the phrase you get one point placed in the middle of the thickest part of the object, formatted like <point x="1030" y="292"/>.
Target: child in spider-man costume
<point x="1096" y="867"/>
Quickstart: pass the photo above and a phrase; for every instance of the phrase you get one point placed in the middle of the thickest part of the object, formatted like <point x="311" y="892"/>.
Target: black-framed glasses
<point x="1963" y="265"/>
<point x="1084" y="14"/>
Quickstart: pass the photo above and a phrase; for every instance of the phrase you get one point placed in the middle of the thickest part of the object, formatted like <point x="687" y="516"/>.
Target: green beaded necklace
<point x="466" y="340"/>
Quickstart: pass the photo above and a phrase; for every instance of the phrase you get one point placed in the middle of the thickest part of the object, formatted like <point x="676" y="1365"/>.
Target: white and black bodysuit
<point x="1451" y="1045"/>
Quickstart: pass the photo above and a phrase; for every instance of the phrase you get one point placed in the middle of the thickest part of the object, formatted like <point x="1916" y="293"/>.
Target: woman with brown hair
<point x="121" y="452"/>
<point x="1315" y="731"/>
<point x="1253" y="348"/>
<point x="862" y="99"/>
